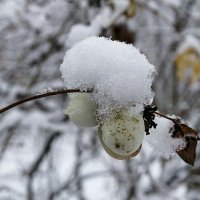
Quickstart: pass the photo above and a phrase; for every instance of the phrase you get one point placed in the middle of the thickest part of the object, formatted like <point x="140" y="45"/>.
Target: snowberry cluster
<point x="121" y="133"/>
<point x="120" y="79"/>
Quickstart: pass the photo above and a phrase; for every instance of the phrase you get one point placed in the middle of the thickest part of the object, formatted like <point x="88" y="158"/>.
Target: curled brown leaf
<point x="188" y="154"/>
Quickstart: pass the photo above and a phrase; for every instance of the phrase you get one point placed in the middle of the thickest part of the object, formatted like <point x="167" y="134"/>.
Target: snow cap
<point x="117" y="72"/>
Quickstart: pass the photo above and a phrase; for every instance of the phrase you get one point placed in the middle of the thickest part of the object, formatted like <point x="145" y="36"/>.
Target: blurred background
<point x="43" y="156"/>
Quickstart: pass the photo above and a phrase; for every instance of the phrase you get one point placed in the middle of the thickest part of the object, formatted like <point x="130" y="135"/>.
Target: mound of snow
<point x="117" y="72"/>
<point x="161" y="141"/>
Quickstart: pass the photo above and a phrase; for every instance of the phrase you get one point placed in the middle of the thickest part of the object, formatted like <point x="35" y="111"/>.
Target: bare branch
<point x="72" y="180"/>
<point x="34" y="168"/>
<point x="45" y="150"/>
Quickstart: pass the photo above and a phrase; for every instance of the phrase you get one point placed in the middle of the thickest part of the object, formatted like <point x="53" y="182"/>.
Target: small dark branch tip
<point x="188" y="138"/>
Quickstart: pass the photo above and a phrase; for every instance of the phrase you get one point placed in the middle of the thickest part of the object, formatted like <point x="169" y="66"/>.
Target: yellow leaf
<point x="189" y="60"/>
<point x="131" y="11"/>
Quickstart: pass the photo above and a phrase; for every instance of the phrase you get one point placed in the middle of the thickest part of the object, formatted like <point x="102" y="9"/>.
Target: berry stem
<point x="165" y="116"/>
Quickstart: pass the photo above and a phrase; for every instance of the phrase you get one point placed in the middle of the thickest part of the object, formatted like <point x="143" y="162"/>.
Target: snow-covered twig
<point x="39" y="96"/>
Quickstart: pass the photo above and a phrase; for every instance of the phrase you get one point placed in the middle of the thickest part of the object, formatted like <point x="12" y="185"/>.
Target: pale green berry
<point x="81" y="110"/>
<point x="121" y="134"/>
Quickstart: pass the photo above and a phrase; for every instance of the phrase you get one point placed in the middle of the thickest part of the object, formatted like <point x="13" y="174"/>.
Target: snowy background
<point x="43" y="156"/>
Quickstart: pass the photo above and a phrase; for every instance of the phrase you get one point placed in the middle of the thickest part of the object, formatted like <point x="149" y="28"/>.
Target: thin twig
<point x="39" y="96"/>
<point x="44" y="152"/>
<point x="195" y="138"/>
<point x="176" y="122"/>
<point x="72" y="180"/>
<point x="165" y="116"/>
<point x="34" y="168"/>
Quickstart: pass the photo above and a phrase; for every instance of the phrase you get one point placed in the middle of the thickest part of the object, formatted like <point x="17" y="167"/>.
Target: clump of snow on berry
<point x="189" y="42"/>
<point x="135" y="110"/>
<point x="117" y="72"/>
<point x="161" y="141"/>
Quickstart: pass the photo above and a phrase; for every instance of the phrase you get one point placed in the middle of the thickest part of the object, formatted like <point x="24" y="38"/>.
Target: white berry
<point x="121" y="134"/>
<point x="81" y="110"/>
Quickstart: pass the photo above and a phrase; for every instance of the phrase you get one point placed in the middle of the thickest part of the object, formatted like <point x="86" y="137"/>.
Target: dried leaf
<point x="188" y="154"/>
